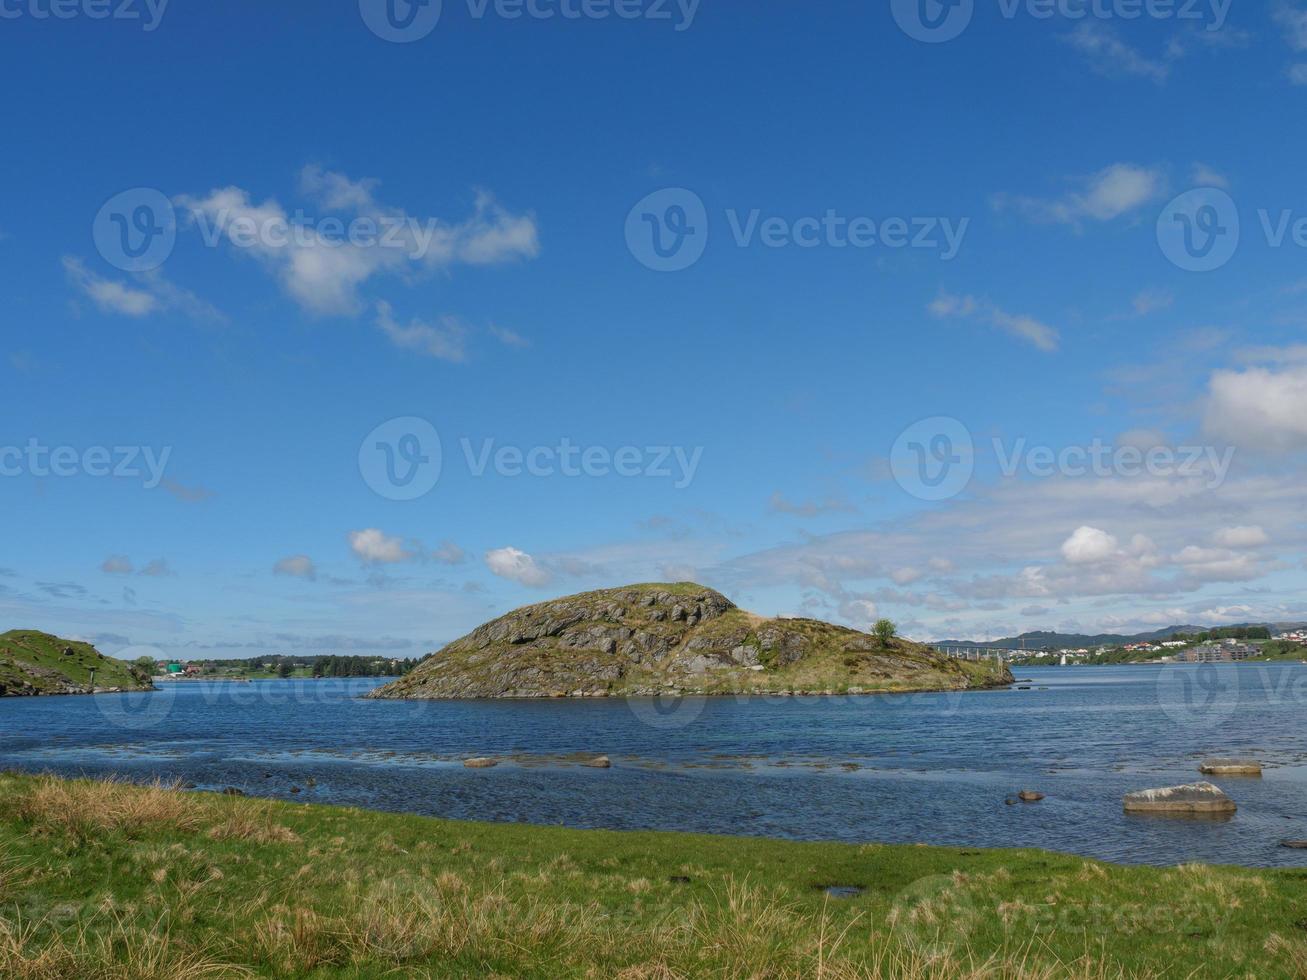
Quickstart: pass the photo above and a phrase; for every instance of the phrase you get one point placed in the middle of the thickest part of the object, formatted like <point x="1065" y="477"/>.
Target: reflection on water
<point x="931" y="768"/>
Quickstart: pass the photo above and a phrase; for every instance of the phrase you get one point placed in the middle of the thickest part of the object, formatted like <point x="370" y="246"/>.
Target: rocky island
<point x="34" y="663"/>
<point x="646" y="640"/>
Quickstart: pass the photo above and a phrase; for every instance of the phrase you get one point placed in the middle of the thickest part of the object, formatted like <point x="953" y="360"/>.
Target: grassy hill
<point x="644" y="640"/>
<point x="38" y="663"/>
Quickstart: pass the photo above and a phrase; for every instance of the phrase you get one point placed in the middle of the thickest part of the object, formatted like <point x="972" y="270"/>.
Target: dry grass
<point x="84" y="808"/>
<point x="118" y="952"/>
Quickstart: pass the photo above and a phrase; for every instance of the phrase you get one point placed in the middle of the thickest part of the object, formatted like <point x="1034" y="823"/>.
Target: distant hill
<point x="645" y="640"/>
<point x="1050" y="640"/>
<point x="38" y="663"/>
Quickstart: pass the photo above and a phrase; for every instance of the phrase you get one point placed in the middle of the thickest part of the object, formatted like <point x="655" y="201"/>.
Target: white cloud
<point x="1089" y="544"/>
<point x="779" y="504"/>
<point x="296" y="566"/>
<point x="1204" y="176"/>
<point x="1109" y="55"/>
<point x="449" y="554"/>
<point x="1110" y="193"/>
<point x="1152" y="300"/>
<point x="1025" y="328"/>
<point x="1297" y="74"/>
<point x="517" y="566"/>
<point x="158" y="568"/>
<point x="324" y="271"/>
<point x="509" y="338"/>
<point x="1246" y="536"/>
<point x="375" y="547"/>
<point x="1292" y="21"/>
<point x="117" y="565"/>
<point x="446" y="340"/>
<point x="149" y="294"/>
<point x="1259" y="408"/>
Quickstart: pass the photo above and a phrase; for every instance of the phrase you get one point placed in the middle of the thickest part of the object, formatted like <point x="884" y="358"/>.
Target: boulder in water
<point x="1190" y="798"/>
<point x="1230" y="767"/>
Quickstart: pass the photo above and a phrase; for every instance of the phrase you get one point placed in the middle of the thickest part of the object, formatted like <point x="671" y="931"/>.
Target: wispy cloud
<point x="1025" y="328"/>
<point x="1110" y="193"/>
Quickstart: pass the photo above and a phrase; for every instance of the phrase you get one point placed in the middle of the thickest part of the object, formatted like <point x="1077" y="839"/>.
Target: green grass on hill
<point x="30" y="659"/>
<point x="105" y="880"/>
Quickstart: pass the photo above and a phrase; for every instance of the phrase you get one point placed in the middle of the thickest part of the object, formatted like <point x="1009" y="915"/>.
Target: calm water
<point x="920" y="768"/>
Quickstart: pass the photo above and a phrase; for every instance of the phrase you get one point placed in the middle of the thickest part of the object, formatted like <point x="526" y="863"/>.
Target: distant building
<point x="1224" y="652"/>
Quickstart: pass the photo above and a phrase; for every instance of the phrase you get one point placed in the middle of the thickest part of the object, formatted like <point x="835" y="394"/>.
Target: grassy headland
<point x="38" y="663"/>
<point x="106" y="880"/>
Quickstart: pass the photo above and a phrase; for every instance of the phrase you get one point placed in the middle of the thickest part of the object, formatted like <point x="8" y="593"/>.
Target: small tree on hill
<point x="885" y="631"/>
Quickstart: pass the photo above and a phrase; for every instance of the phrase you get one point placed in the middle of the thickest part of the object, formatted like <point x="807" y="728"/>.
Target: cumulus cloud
<point x="322" y="270"/>
<point x="1020" y="326"/>
<point x="1089" y="544"/>
<point x="158" y="568"/>
<point x="374" y="547"/>
<point x="1103" y="196"/>
<point x="117" y="565"/>
<point x="296" y="566"/>
<point x="1259" y="407"/>
<point x="517" y="566"/>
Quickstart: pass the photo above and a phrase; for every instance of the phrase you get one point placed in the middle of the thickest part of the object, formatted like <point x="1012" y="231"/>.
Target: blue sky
<point x="755" y="396"/>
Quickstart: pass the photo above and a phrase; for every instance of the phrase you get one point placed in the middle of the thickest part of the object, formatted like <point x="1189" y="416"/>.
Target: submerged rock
<point x="1190" y="798"/>
<point x="1230" y="767"/>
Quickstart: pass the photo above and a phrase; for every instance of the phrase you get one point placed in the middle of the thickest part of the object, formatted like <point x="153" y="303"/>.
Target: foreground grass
<point x="106" y="880"/>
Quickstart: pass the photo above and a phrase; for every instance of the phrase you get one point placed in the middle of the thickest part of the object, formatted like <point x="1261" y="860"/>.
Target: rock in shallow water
<point x="1190" y="798"/>
<point x="479" y="763"/>
<point x="1230" y="767"/>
